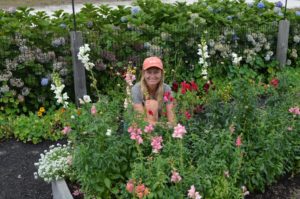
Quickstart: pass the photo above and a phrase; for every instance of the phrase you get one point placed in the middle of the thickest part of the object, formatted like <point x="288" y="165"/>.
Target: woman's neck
<point x="152" y="89"/>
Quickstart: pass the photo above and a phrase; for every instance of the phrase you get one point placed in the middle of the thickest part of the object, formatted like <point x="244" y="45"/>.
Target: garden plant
<point x="237" y="109"/>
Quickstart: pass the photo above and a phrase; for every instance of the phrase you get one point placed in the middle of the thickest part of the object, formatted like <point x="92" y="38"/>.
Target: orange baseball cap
<point x="152" y="62"/>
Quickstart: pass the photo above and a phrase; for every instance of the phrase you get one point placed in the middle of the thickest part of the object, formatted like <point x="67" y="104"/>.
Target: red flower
<point x="150" y="112"/>
<point x="175" y="86"/>
<point x="187" y="115"/>
<point x="207" y="86"/>
<point x="184" y="87"/>
<point x="194" y="86"/>
<point x="274" y="82"/>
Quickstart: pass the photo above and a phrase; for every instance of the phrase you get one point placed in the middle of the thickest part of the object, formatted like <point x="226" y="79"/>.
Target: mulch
<point x="16" y="171"/>
<point x="17" y="180"/>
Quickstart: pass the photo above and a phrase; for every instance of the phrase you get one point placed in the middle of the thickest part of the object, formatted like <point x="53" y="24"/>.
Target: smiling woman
<point x="151" y="93"/>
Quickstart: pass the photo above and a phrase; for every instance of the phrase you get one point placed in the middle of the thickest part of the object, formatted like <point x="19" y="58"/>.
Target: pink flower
<point x="295" y="110"/>
<point x="156" y="144"/>
<point x="77" y="192"/>
<point x="238" y="141"/>
<point x="135" y="134"/>
<point x="175" y="177"/>
<point x="93" y="110"/>
<point x="130" y="186"/>
<point x="149" y="128"/>
<point x="129" y="78"/>
<point x="66" y="130"/>
<point x="168" y="97"/>
<point x="179" y="131"/>
<point x="289" y="128"/>
<point x="193" y="194"/>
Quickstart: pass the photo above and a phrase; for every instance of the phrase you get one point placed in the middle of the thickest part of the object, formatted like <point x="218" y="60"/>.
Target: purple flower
<point x="279" y="4"/>
<point x="135" y="10"/>
<point x="297" y="13"/>
<point x="44" y="81"/>
<point x="260" y="5"/>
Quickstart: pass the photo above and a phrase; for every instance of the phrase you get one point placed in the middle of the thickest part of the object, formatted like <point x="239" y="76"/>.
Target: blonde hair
<point x="159" y="91"/>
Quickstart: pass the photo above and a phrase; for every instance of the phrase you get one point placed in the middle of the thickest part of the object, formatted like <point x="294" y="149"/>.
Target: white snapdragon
<point x="61" y="98"/>
<point x="83" y="56"/>
<point x="203" y="56"/>
<point x="235" y="59"/>
<point x="108" y="132"/>
<point x="85" y="99"/>
<point x="54" y="164"/>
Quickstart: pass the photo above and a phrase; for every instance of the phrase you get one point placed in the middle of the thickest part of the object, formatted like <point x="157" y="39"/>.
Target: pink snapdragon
<point x="179" y="131"/>
<point x="156" y="144"/>
<point x="168" y="97"/>
<point x="93" y="110"/>
<point x="175" y="177"/>
<point x="238" y="141"/>
<point x="149" y="128"/>
<point x="66" y="130"/>
<point x="135" y="134"/>
<point x="130" y="186"/>
<point x="129" y="78"/>
<point x="295" y="110"/>
<point x="193" y="194"/>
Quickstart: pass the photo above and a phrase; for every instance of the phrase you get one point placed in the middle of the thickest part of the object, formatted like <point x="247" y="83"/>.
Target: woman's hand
<point x="151" y="107"/>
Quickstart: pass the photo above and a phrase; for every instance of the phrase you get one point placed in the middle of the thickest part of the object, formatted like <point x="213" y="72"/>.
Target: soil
<point x="17" y="180"/>
<point x="16" y="171"/>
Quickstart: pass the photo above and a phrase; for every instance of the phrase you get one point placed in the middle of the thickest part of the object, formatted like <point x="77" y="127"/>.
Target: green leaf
<point x="107" y="182"/>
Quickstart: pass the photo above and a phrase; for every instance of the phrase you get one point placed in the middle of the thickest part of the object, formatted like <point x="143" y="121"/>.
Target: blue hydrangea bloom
<point x="124" y="19"/>
<point x="44" y="81"/>
<point x="297" y="13"/>
<point x="260" y="5"/>
<point x="279" y="4"/>
<point x="63" y="26"/>
<point x="135" y="10"/>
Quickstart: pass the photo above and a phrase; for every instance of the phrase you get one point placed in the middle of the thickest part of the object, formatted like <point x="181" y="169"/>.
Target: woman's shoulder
<point x="136" y="88"/>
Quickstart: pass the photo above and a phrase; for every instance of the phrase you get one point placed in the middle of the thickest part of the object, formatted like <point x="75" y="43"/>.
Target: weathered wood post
<point x="78" y="68"/>
<point x="282" y="42"/>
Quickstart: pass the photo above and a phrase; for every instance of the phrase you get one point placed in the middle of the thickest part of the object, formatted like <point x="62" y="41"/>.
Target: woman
<point x="151" y="94"/>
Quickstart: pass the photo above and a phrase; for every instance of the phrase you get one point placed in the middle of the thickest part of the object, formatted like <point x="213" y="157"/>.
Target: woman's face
<point x="152" y="76"/>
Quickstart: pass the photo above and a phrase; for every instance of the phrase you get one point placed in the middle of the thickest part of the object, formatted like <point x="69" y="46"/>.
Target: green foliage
<point x="34" y="128"/>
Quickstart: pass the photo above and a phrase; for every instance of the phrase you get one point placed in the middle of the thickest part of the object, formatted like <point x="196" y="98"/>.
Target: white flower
<point x="296" y="39"/>
<point x="108" y="132"/>
<point x="83" y="56"/>
<point x="87" y="99"/>
<point x="235" y="59"/>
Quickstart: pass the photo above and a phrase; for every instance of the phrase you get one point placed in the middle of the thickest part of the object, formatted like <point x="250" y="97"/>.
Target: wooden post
<point x="282" y="42"/>
<point x="78" y="68"/>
